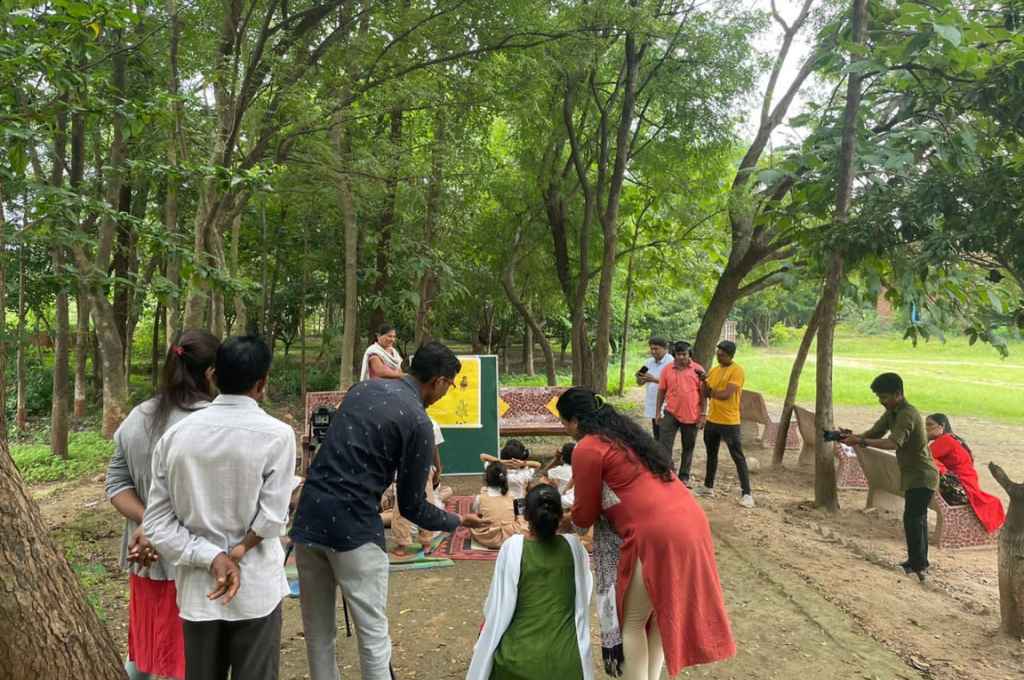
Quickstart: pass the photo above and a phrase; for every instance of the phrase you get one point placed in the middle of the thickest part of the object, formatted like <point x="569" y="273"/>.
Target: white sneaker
<point x="701" y="490"/>
<point x="747" y="501"/>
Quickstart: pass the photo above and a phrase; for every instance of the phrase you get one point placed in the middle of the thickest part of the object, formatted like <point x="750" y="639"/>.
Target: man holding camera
<point x="682" y="406"/>
<point x="723" y="386"/>
<point x="918" y="475"/>
<point x="648" y="377"/>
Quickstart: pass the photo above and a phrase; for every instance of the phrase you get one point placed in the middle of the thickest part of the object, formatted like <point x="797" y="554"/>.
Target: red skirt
<point x="155" y="640"/>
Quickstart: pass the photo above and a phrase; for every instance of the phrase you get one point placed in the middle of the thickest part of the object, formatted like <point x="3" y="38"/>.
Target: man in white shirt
<point x="648" y="378"/>
<point x="218" y="505"/>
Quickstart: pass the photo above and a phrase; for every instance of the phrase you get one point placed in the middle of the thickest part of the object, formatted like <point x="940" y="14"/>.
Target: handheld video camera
<point x="319" y="422"/>
<point x="834" y="435"/>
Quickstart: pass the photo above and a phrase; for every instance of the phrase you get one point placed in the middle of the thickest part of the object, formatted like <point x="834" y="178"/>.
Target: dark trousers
<point x="656" y="430"/>
<point x="251" y="649"/>
<point x="714" y="435"/>
<point x="688" y="432"/>
<point x="915" y="524"/>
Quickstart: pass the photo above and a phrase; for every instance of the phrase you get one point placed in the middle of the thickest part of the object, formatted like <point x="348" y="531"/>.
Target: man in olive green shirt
<point x="918" y="475"/>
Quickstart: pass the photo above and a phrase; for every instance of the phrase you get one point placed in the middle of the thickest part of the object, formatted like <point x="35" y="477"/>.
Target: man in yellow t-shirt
<point x="723" y="385"/>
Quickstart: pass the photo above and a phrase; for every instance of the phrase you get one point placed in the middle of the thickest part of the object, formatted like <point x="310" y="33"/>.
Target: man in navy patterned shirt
<point x="381" y="429"/>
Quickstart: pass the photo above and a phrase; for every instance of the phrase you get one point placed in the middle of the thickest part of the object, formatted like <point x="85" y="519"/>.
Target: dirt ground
<point x="809" y="594"/>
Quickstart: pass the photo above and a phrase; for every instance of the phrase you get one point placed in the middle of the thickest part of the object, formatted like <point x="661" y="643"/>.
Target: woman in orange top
<point x="668" y="597"/>
<point x="952" y="454"/>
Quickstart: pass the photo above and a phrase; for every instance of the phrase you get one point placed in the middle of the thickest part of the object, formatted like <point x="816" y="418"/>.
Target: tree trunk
<point x="625" y="315"/>
<point x="59" y="410"/>
<point x="429" y="282"/>
<point x="723" y="299"/>
<point x="302" y="311"/>
<point x="751" y="247"/>
<point x="382" y="280"/>
<point x="97" y="362"/>
<point x="610" y="218"/>
<point x="508" y="283"/>
<point x="794" y="384"/>
<point x="241" y="321"/>
<point x="21" y="410"/>
<point x="264" y="272"/>
<point x="60" y="402"/>
<point x="175" y="148"/>
<point x="528" y="350"/>
<point x="350" y="227"/>
<point x="3" y="322"/>
<point x="1011" y="558"/>
<point x="155" y="347"/>
<point x="825" y="492"/>
<point x="47" y="628"/>
<point x="81" y="352"/>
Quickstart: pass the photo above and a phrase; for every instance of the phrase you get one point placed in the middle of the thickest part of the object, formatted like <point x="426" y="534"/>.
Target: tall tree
<point x="47" y="628"/>
<point x="753" y="241"/>
<point x="825" y="493"/>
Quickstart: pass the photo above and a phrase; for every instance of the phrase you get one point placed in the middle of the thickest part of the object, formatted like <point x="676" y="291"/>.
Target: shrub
<point x="783" y="334"/>
<point x="88" y="452"/>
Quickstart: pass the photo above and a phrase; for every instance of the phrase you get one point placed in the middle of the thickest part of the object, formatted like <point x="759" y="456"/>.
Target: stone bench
<point x="753" y="416"/>
<point x="315" y="400"/>
<point x="956" y="526"/>
<point x="849" y="474"/>
<point x="529" y="411"/>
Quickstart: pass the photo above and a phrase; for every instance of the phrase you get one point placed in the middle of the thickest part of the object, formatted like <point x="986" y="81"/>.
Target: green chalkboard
<point x="460" y="453"/>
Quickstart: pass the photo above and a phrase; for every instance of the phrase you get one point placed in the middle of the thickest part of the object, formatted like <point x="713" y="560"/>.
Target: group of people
<point x="681" y="397"/>
<point x="930" y="457"/>
<point x="205" y="480"/>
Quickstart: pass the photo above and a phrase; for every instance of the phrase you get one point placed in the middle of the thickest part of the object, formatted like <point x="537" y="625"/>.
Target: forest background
<point x="536" y="179"/>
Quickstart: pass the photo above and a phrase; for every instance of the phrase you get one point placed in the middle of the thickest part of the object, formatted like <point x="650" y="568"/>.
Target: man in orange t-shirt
<point x="685" y="406"/>
<point x="723" y="386"/>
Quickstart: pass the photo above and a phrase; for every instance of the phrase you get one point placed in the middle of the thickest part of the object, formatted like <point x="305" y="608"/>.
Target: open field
<point x="952" y="377"/>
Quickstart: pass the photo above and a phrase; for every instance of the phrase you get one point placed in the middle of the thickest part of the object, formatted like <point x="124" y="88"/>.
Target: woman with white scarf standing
<point x="381" y="359"/>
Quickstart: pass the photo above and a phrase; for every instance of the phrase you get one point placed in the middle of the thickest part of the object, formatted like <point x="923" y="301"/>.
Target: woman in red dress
<point x="952" y="454"/>
<point x="668" y="595"/>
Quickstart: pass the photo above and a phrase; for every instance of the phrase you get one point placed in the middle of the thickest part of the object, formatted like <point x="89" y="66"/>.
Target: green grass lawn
<point x="951" y="377"/>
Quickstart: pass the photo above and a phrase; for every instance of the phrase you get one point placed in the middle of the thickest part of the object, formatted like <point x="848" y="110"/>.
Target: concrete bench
<point x="753" y="416"/>
<point x="956" y="526"/>
<point x="529" y="411"/>
<point x="849" y="474"/>
<point x="315" y="400"/>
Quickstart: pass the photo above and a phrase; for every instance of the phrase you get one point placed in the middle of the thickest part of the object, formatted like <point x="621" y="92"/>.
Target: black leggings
<point x="714" y="435"/>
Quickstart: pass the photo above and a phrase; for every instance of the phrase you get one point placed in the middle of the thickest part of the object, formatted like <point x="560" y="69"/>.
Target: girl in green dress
<point x="537" y="622"/>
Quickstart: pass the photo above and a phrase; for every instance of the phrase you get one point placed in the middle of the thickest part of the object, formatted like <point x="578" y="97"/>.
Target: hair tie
<point x="599" y="400"/>
<point x="178" y="349"/>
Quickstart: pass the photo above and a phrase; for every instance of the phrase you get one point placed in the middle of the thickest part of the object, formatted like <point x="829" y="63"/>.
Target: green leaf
<point x="950" y="34"/>
<point x="993" y="298"/>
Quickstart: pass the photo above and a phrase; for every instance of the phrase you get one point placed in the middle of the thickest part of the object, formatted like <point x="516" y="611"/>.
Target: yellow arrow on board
<point x="503" y="406"/>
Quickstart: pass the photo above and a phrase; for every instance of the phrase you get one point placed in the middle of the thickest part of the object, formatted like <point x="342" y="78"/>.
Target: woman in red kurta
<point x="668" y="596"/>
<point x="952" y="454"/>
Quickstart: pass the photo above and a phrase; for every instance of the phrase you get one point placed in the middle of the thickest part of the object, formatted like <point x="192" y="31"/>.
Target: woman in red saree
<point x="668" y="596"/>
<point x="952" y="455"/>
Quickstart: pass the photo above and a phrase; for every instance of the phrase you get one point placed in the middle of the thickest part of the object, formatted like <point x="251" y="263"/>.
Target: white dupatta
<point x="501" y="606"/>
<point x="391" y="359"/>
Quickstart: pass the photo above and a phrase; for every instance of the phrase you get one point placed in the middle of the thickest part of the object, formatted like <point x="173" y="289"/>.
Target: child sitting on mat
<point x="519" y="468"/>
<point x="537" y="614"/>
<point x="497" y="505"/>
<point x="559" y="471"/>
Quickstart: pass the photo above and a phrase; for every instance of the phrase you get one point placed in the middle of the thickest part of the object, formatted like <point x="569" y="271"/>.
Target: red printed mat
<point x="459" y="545"/>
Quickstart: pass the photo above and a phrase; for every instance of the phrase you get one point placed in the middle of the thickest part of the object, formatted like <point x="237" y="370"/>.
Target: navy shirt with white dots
<point x="380" y="429"/>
